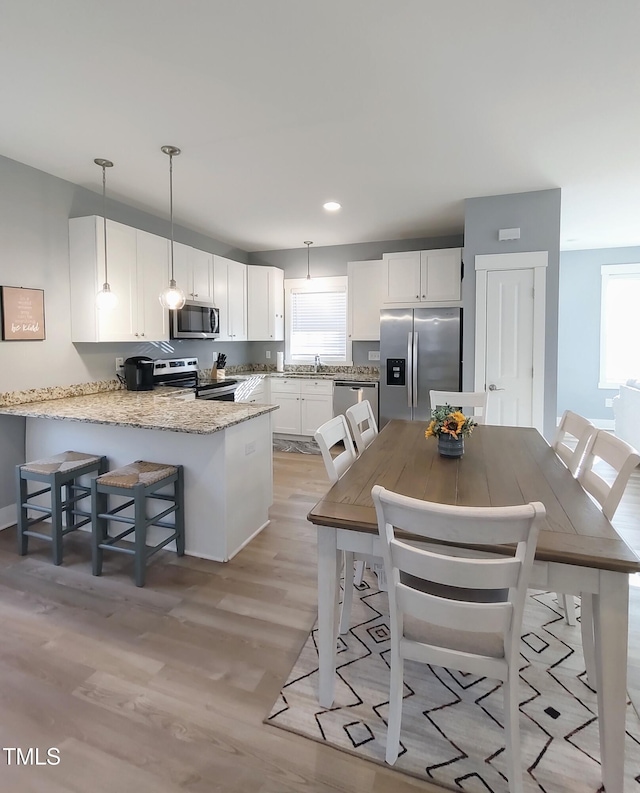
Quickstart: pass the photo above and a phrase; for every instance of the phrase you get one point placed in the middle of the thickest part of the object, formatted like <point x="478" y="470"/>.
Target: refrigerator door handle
<point x="410" y="372"/>
<point x="414" y="370"/>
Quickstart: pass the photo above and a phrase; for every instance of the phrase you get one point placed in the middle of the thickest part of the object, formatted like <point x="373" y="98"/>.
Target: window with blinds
<point x="317" y="320"/>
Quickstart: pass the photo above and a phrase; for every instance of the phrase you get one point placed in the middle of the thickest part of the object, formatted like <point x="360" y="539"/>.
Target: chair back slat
<point x="454" y="614"/>
<point x="329" y="435"/>
<point x="620" y="456"/>
<point x="475" y="525"/>
<point x="472" y="573"/>
<point x="581" y="430"/>
<point x="362" y="423"/>
<point x="462" y="400"/>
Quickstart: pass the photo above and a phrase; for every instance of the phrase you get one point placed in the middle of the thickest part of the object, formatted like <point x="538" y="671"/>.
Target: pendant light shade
<point x="172" y="297"/>
<point x="308" y="243"/>
<point x="106" y="300"/>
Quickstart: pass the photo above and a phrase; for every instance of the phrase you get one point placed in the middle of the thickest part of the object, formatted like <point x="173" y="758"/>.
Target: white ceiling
<point x="399" y="109"/>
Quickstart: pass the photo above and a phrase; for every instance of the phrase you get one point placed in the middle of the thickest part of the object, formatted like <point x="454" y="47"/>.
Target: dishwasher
<point x="350" y="392"/>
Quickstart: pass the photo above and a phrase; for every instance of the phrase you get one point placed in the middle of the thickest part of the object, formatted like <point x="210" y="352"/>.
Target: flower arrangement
<point x="446" y="420"/>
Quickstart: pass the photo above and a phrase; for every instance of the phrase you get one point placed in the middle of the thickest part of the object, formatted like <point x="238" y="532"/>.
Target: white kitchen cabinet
<point x="304" y="404"/>
<point x="193" y="272"/>
<point x="265" y="303"/>
<point x="431" y="276"/>
<point x="152" y="272"/>
<point x="138" y="270"/>
<point x="230" y="296"/>
<point x="287" y="418"/>
<point x="367" y="294"/>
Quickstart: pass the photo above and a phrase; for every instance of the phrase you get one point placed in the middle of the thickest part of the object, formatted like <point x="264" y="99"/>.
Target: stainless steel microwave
<point x="195" y="321"/>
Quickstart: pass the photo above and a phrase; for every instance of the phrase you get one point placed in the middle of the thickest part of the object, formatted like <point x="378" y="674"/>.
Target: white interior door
<point x="509" y="359"/>
<point x="510" y="299"/>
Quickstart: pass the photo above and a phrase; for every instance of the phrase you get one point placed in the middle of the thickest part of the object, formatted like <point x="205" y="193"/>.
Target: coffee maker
<point x="138" y="373"/>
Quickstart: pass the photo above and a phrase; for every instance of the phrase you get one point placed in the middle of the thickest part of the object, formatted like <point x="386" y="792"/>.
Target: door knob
<point x="493" y="387"/>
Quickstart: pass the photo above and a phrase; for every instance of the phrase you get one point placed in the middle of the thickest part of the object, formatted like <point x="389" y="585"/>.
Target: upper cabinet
<point x="367" y="294"/>
<point x="265" y="303"/>
<point x="138" y="270"/>
<point x="423" y="276"/>
<point x="230" y="296"/>
<point x="193" y="272"/>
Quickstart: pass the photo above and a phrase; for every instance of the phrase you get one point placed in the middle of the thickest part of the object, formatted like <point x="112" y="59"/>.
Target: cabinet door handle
<point x="417" y="297"/>
<point x="135" y="334"/>
<point x="142" y="334"/>
<point x="424" y="297"/>
<point x="196" y="294"/>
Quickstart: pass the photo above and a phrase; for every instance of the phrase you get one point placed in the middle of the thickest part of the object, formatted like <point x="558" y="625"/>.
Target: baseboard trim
<point x="7" y="517"/>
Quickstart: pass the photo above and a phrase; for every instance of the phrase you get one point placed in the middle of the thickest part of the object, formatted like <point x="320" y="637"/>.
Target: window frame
<point x="606" y="273"/>
<point x="337" y="283"/>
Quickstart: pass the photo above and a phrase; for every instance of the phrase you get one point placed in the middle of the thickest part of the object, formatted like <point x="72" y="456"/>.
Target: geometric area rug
<point x="452" y="723"/>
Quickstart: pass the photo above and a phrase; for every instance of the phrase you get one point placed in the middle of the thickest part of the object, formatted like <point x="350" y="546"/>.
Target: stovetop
<point x="184" y="373"/>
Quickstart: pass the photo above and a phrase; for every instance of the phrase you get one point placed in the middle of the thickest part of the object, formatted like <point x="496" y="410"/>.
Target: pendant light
<point x="308" y="243"/>
<point x="106" y="300"/>
<point x="172" y="297"/>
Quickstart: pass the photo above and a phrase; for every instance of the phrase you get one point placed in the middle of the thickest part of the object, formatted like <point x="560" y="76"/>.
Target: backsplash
<point x="270" y="368"/>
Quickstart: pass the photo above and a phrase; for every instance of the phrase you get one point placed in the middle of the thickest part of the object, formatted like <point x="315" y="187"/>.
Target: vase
<point x="450" y="447"/>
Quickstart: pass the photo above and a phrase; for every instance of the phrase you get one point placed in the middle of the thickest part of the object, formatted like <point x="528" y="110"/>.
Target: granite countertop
<point x="151" y="410"/>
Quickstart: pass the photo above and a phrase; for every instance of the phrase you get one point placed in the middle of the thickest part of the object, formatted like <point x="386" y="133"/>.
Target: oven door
<point x="225" y="393"/>
<point x="195" y="321"/>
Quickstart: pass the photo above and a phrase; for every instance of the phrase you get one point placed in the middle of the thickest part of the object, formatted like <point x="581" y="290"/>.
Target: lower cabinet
<point x="304" y="404"/>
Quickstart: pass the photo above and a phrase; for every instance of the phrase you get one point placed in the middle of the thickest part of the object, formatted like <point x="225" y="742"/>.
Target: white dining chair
<point x="572" y="436"/>
<point x="328" y="436"/>
<point x="362" y="423"/>
<point x="463" y="400"/>
<point x="459" y="612"/>
<point x="579" y="431"/>
<point x="622" y="459"/>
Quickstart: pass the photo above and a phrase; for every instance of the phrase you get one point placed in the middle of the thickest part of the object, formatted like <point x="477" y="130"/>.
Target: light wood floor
<point x="165" y="688"/>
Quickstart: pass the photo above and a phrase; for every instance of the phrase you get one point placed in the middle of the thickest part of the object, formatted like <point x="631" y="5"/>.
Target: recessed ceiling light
<point x="331" y="206"/>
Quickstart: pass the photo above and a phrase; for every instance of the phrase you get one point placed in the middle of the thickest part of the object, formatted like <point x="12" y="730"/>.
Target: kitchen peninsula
<point x="225" y="448"/>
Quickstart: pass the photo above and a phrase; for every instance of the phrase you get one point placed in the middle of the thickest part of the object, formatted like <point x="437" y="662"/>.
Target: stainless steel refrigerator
<point x="420" y="350"/>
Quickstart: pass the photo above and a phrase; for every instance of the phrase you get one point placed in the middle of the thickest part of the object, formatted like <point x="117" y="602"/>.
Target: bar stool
<point x="142" y="480"/>
<point x="61" y="470"/>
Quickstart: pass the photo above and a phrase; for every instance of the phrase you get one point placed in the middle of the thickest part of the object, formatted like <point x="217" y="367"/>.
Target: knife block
<point x="217" y="374"/>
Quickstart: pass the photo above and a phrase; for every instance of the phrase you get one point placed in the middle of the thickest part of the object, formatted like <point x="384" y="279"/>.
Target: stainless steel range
<point x="184" y="373"/>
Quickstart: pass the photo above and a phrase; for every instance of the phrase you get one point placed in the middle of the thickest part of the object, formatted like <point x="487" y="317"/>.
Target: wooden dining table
<point x="578" y="549"/>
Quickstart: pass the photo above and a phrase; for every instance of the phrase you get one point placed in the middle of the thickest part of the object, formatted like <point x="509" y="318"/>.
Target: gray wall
<point x="579" y="330"/>
<point x="537" y="214"/>
<point x="332" y="259"/>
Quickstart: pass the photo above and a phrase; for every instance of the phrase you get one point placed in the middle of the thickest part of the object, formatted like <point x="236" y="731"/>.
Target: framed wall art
<point x="22" y="313"/>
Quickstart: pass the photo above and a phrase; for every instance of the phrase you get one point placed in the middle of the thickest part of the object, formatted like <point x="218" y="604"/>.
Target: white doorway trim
<point x="537" y="261"/>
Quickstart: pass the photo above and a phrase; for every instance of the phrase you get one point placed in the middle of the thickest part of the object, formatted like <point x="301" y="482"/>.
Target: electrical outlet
<point x="267" y="354"/>
<point x="608" y="403"/>
<point x="374" y="355"/>
<point x="119" y="365"/>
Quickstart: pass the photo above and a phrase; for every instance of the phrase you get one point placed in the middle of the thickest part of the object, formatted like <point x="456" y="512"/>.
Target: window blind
<point x="319" y="324"/>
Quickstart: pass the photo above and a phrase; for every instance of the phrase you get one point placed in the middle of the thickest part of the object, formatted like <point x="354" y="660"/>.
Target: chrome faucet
<point x="316" y="363"/>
